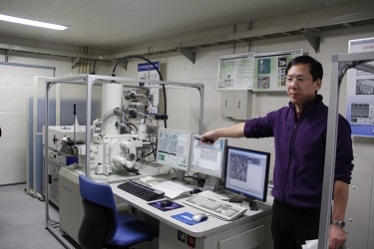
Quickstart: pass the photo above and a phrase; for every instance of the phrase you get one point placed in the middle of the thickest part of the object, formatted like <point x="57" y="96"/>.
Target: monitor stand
<point x="182" y="179"/>
<point x="211" y="183"/>
<point x="251" y="202"/>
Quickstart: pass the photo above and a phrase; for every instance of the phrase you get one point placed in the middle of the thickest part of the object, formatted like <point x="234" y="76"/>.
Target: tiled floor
<point x="22" y="221"/>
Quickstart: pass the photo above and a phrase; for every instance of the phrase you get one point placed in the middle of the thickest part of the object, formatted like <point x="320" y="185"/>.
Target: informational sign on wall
<point x="259" y="72"/>
<point x="360" y="92"/>
<point x="147" y="71"/>
<point x="269" y="73"/>
<point x="235" y="72"/>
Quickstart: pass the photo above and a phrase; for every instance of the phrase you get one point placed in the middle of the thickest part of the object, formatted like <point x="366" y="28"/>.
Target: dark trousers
<point x="291" y="227"/>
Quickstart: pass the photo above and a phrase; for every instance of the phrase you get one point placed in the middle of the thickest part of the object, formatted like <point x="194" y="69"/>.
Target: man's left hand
<point x="337" y="237"/>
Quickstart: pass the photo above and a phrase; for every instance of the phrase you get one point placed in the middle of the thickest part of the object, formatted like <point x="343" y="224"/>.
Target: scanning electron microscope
<point x="118" y="138"/>
<point x="113" y="148"/>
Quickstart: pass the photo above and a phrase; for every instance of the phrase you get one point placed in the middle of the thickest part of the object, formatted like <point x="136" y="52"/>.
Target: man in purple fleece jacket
<point x="299" y="132"/>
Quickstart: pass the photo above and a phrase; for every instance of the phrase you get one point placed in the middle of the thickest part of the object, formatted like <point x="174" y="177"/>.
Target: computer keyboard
<point x="216" y="207"/>
<point x="141" y="191"/>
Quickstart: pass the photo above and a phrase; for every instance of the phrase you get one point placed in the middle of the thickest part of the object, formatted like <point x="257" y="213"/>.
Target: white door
<point x="16" y="86"/>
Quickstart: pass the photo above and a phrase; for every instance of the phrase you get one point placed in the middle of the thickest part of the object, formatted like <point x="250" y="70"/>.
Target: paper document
<point x="172" y="189"/>
<point x="150" y="180"/>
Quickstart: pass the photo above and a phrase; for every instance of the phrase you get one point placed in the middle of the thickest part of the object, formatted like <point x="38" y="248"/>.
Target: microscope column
<point x="111" y="99"/>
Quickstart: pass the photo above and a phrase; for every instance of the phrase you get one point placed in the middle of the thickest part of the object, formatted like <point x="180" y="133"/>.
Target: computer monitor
<point x="173" y="148"/>
<point x="247" y="173"/>
<point x="208" y="159"/>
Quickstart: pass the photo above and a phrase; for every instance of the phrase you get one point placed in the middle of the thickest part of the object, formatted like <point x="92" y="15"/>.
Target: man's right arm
<point x="235" y="131"/>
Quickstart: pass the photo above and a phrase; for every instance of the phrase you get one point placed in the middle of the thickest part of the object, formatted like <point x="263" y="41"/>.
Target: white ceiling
<point x="113" y="24"/>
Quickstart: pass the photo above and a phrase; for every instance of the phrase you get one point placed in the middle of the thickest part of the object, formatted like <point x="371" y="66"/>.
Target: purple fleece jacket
<point x="300" y="151"/>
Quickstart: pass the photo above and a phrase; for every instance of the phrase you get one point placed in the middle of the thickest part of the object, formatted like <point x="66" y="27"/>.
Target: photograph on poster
<point x="282" y="76"/>
<point x="282" y="62"/>
<point x="264" y="66"/>
<point x="263" y="82"/>
<point x="270" y="70"/>
<point x="362" y="113"/>
<point x="365" y="87"/>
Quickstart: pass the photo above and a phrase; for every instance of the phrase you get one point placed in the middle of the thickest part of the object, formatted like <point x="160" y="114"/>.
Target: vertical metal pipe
<point x="201" y="109"/>
<point x="330" y="152"/>
<point x="75" y="123"/>
<point x="45" y="169"/>
<point x="90" y="82"/>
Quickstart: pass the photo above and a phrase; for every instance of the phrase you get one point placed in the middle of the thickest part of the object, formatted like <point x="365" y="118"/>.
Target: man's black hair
<point x="315" y="67"/>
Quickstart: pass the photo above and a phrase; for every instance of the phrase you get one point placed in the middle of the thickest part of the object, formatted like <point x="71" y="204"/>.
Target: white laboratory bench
<point x="252" y="230"/>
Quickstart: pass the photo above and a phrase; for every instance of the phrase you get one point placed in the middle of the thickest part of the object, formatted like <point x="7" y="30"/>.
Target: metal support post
<point x="339" y="66"/>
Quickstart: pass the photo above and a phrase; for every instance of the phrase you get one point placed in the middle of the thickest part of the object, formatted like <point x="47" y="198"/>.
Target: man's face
<point x="301" y="88"/>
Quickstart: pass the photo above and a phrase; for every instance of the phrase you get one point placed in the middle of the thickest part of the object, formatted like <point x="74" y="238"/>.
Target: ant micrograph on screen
<point x="239" y="166"/>
<point x="168" y="142"/>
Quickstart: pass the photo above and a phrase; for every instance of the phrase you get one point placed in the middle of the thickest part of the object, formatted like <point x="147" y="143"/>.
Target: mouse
<point x="199" y="217"/>
<point x="166" y="203"/>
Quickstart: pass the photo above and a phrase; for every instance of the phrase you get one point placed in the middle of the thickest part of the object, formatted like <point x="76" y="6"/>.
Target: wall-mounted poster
<point x="269" y="70"/>
<point x="360" y="92"/>
<point x="235" y="72"/>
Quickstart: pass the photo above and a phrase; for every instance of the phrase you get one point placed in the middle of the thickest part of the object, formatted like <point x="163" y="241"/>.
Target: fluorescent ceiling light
<point x="31" y="22"/>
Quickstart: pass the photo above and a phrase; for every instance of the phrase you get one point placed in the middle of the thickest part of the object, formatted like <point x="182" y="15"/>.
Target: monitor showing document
<point x="208" y="159"/>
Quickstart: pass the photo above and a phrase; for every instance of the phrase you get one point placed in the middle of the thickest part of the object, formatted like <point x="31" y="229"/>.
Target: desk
<point x="250" y="231"/>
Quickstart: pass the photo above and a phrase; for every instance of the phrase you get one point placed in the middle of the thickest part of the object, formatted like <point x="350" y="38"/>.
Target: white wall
<point x="15" y="87"/>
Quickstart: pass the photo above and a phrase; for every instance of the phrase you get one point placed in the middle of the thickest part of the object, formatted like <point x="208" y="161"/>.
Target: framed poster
<point x="360" y="92"/>
<point x="235" y="72"/>
<point x="269" y="70"/>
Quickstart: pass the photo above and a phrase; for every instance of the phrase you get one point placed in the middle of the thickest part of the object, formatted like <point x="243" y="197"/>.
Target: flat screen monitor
<point x="208" y="159"/>
<point x="247" y="173"/>
<point x="174" y="148"/>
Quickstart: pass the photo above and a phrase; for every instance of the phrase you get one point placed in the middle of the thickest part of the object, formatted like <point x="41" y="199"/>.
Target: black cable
<point x="132" y="170"/>
<point x="154" y="66"/>
<point x="197" y="179"/>
<point x="127" y="125"/>
<point x="153" y="145"/>
<point x="235" y="197"/>
<point x="153" y="150"/>
<point x="94" y="68"/>
<point x="156" y="147"/>
<point x="131" y="124"/>
<point x="144" y="156"/>
<point x="349" y="66"/>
